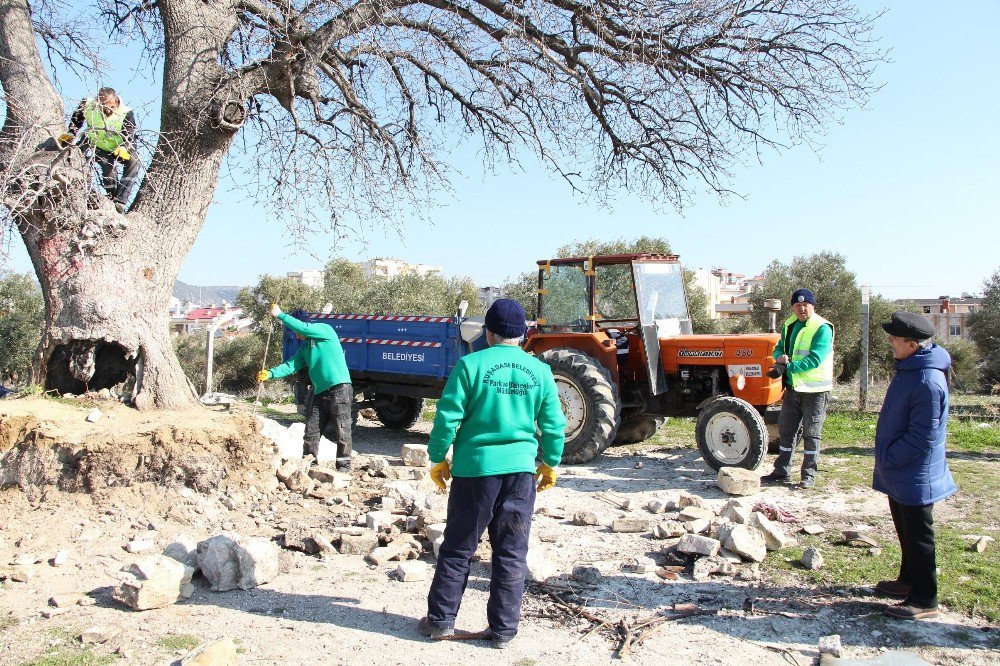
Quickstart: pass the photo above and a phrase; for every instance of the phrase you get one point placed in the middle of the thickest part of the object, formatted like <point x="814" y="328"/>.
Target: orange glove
<point x="440" y="473"/>
<point x="546" y="477"/>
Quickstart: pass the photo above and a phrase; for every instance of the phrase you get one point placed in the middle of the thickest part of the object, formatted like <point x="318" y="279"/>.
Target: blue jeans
<point x="502" y="504"/>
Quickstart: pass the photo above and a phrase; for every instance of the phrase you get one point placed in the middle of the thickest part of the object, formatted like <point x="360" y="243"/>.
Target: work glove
<point x="440" y="473"/>
<point x="263" y="376"/>
<point x="777" y="371"/>
<point x="546" y="477"/>
<point x="64" y="139"/>
<point x="275" y="310"/>
<point x="121" y="154"/>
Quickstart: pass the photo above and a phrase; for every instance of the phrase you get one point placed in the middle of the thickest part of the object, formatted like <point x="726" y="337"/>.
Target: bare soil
<point x="90" y="488"/>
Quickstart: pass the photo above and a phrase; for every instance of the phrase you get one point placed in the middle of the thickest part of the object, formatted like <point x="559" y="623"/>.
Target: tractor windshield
<point x="660" y="292"/>
<point x="565" y="305"/>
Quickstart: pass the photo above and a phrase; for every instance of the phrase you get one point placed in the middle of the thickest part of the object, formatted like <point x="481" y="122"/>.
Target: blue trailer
<point x="397" y="360"/>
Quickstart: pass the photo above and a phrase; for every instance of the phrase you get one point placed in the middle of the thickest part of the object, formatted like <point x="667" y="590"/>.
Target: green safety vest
<point x="104" y="133"/>
<point x="820" y="378"/>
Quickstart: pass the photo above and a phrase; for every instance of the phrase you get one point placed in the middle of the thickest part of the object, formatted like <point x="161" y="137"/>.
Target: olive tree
<point x="358" y="103"/>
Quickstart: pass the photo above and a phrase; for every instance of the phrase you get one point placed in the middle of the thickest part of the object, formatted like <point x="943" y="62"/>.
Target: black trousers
<point x="503" y="505"/>
<point x="917" y="567"/>
<point x="809" y="411"/>
<point x="330" y="415"/>
<point x="117" y="189"/>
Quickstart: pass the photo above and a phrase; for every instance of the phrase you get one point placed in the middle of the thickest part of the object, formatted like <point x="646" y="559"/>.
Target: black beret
<point x="909" y="325"/>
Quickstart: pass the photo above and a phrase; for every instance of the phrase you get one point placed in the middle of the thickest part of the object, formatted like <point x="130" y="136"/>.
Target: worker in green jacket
<point x="493" y="404"/>
<point x="333" y="394"/>
<point x="110" y="133"/>
<point x="804" y="359"/>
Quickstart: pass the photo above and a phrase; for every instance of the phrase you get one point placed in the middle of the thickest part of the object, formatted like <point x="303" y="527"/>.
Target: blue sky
<point x="904" y="188"/>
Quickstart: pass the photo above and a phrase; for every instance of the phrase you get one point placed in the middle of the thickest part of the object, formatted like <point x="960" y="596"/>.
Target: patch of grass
<point x="179" y="642"/>
<point x="71" y="657"/>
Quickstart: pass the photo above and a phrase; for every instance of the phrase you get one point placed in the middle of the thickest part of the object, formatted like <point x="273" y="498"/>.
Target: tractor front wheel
<point x="731" y="433"/>
<point x="590" y="402"/>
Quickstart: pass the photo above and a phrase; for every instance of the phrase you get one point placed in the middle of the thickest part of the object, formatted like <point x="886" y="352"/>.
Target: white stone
<point x="140" y="546"/>
<point x="737" y="510"/>
<point x="377" y="520"/>
<point x="415" y="455"/>
<point x="746" y="542"/>
<point x="830" y="645"/>
<point x="99" y="635"/>
<point x="774" y="536"/>
<point x="230" y="561"/>
<point x="738" y="481"/>
<point x="693" y="544"/>
<point x="219" y="653"/>
<point x="412" y="571"/>
<point x="812" y="558"/>
<point x="540" y="566"/>
<point x="155" y="581"/>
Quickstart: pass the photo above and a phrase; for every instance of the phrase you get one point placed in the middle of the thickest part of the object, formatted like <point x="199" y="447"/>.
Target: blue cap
<point x="506" y="318"/>
<point x="803" y="296"/>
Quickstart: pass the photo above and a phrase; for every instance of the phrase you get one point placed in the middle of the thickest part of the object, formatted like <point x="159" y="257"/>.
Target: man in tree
<point x="491" y="405"/>
<point x="910" y="464"/>
<point x="804" y="359"/>
<point x="333" y="394"/>
<point x="111" y="129"/>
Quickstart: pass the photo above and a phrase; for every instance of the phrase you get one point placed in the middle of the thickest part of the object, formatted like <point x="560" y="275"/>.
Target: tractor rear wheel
<point x="590" y="402"/>
<point x="398" y="412"/>
<point x="731" y="433"/>
<point x="637" y="429"/>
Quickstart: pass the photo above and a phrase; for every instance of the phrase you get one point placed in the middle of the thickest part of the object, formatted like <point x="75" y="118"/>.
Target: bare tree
<point x="356" y="104"/>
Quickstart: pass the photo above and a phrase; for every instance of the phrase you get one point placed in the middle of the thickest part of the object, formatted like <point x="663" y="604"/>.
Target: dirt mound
<point x="50" y="443"/>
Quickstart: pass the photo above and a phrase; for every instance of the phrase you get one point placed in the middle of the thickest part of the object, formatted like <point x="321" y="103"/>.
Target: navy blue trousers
<point x="503" y="505"/>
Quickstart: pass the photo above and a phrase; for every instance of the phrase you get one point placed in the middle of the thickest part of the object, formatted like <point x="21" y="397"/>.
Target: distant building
<point x="390" y="267"/>
<point x="949" y="315"/>
<point x="728" y="292"/>
<point x="311" y="278"/>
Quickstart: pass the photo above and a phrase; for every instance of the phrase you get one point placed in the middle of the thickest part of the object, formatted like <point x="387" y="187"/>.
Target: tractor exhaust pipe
<point x="773" y="306"/>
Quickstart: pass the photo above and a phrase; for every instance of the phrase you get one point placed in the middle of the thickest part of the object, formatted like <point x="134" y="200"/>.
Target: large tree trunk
<point x="106" y="277"/>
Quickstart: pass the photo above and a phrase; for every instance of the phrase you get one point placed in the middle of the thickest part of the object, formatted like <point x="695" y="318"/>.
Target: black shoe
<point x="498" y="642"/>
<point x="774" y="479"/>
<point x="431" y="632"/>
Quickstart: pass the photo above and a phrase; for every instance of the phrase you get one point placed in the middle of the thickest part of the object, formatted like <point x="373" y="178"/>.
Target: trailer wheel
<point x="589" y="401"/>
<point x="637" y="429"/>
<point x="731" y="433"/>
<point x="398" y="412"/>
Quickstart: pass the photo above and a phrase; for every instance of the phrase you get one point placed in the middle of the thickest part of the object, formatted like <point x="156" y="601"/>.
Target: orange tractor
<point x="616" y="331"/>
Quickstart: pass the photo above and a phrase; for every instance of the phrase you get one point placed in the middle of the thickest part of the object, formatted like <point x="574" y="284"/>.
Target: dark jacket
<point x="910" y="464"/>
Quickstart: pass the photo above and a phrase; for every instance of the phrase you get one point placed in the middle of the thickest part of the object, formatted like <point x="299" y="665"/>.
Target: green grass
<point x="969" y="581"/>
<point x="71" y="657"/>
<point x="179" y="642"/>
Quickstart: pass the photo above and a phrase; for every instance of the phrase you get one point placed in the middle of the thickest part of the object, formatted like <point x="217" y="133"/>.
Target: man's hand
<point x="275" y="310"/>
<point x="546" y="477"/>
<point x="440" y="473"/>
<point x="121" y="154"/>
<point x="263" y="376"/>
<point x="64" y="139"/>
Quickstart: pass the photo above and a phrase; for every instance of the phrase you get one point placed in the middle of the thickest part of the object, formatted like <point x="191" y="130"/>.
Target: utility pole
<point x="863" y="393"/>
